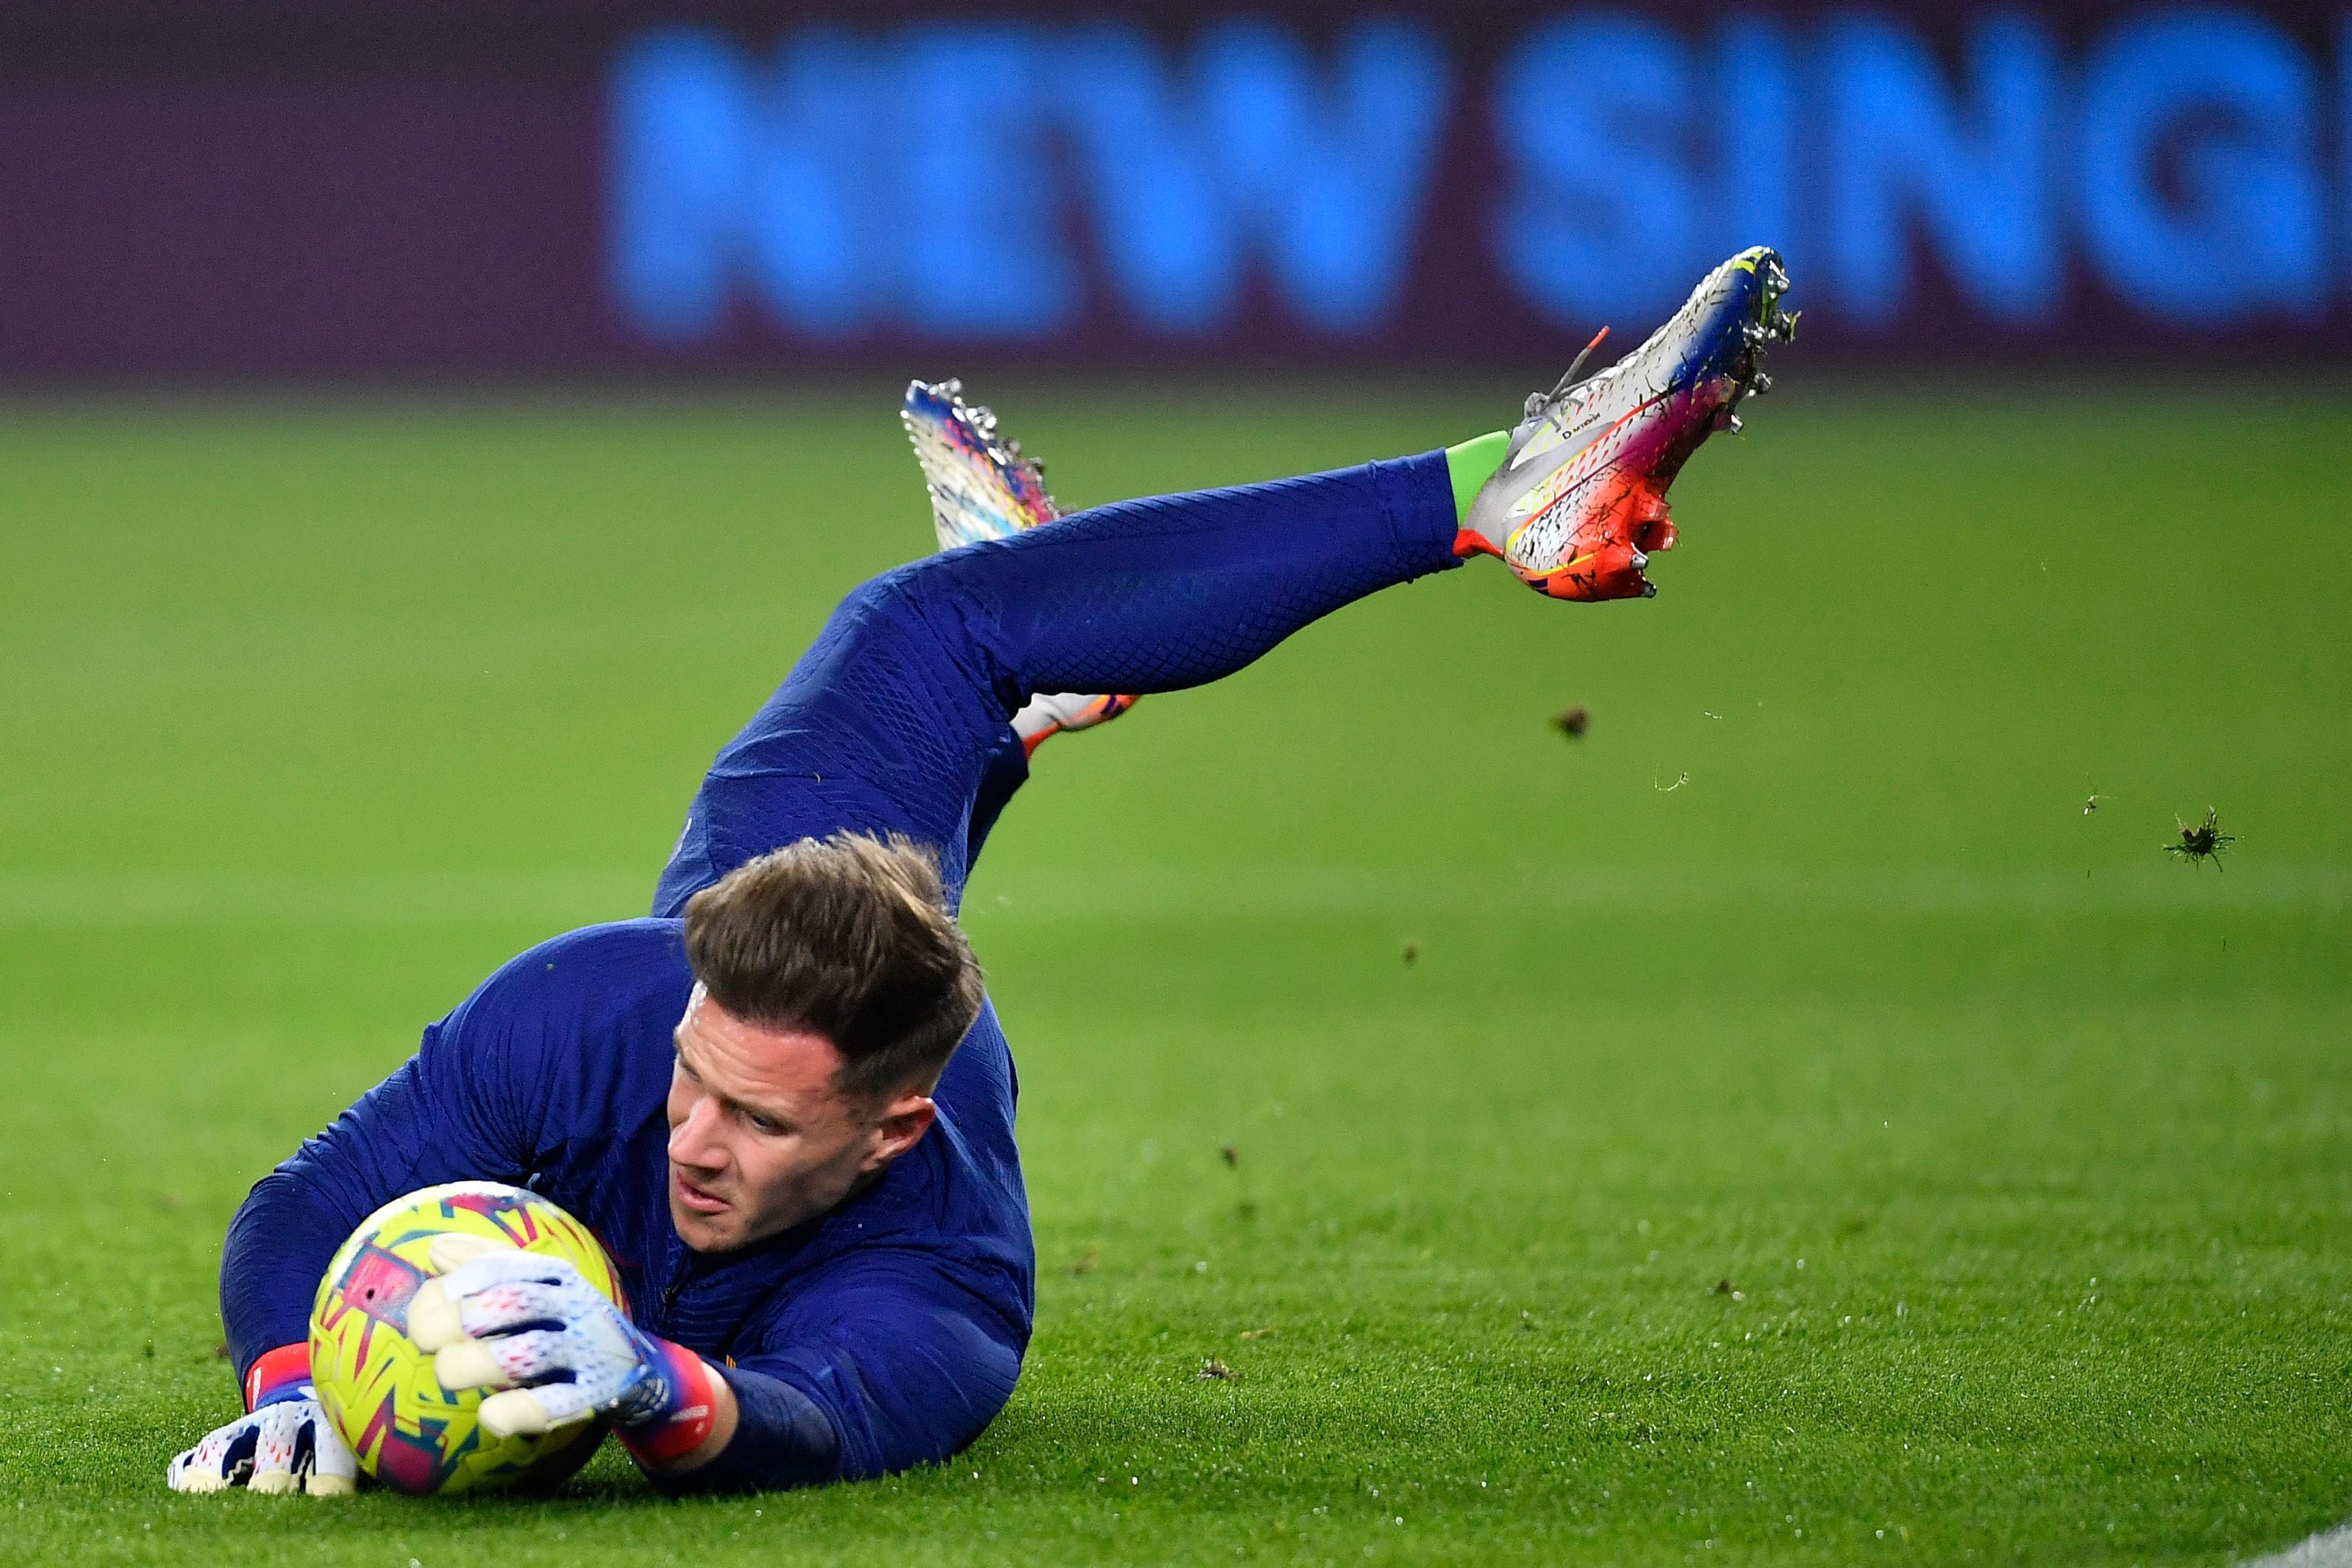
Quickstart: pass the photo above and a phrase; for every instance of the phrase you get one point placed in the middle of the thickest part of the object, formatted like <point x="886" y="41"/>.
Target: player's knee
<point x="934" y="603"/>
<point x="898" y="595"/>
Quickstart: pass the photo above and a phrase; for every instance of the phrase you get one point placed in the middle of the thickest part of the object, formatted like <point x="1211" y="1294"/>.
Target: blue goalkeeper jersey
<point x="882" y="1334"/>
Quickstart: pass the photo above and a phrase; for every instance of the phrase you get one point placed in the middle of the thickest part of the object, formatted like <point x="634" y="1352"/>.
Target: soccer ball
<point x="380" y="1390"/>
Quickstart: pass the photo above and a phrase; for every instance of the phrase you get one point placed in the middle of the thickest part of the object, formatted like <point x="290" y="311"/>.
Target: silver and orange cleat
<point x="985" y="487"/>
<point x="1579" y="504"/>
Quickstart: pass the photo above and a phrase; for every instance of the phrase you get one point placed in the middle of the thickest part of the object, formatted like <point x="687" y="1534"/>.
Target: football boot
<point x="982" y="486"/>
<point x="1579" y="505"/>
<point x="985" y="487"/>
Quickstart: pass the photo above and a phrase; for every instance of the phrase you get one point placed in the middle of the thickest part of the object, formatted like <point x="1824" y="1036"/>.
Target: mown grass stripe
<point x="65" y="901"/>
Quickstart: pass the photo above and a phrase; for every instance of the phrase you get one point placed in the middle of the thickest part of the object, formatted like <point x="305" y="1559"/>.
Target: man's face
<point x="759" y="1138"/>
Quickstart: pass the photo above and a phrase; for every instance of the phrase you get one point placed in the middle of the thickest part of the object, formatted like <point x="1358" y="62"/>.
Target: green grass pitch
<point x="1806" y="1135"/>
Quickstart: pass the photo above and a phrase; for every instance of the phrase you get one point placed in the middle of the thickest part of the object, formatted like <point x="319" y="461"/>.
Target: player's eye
<point x="766" y="1125"/>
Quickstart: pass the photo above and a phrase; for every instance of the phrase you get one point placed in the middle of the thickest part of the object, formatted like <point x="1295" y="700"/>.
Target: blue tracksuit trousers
<point x="899" y="718"/>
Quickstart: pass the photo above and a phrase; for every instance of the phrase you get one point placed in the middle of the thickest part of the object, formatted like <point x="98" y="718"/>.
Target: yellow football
<point x="379" y="1389"/>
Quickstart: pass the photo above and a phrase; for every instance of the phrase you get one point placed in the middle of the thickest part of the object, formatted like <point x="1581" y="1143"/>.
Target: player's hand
<point x="286" y="1446"/>
<point x="559" y="1352"/>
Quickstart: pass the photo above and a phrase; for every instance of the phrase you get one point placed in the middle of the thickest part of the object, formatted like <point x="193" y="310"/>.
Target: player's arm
<point x="465" y="1107"/>
<point x="278" y="1245"/>
<point x="442" y="1116"/>
<point x="883" y="1362"/>
<point x="888" y="1361"/>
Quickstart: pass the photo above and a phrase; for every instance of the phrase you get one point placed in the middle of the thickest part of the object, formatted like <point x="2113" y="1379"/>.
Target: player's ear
<point x="904" y="1121"/>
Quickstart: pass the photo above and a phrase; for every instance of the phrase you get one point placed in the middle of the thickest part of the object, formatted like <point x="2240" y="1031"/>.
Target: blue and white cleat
<point x="984" y="487"/>
<point x="1579" y="504"/>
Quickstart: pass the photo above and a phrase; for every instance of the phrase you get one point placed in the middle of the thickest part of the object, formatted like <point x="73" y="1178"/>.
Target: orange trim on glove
<point x="275" y="1370"/>
<point x="693" y="1410"/>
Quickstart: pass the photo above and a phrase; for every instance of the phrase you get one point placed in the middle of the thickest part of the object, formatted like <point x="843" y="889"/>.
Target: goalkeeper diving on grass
<point x="782" y="1102"/>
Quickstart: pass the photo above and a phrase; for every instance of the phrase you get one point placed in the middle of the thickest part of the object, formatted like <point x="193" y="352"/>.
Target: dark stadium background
<point x="376" y="188"/>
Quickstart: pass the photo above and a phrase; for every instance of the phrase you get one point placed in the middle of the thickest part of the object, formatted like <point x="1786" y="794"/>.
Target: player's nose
<point x="695" y="1141"/>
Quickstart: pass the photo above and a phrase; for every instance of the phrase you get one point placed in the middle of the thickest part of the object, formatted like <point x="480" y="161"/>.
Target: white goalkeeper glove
<point x="285" y="1445"/>
<point x="559" y="1352"/>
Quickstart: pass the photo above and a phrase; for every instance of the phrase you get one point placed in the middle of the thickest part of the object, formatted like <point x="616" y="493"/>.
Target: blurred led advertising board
<point x="491" y="188"/>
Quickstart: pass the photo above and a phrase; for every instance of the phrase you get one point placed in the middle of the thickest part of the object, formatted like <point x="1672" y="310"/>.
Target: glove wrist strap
<point x="276" y="1374"/>
<point x="683" y="1423"/>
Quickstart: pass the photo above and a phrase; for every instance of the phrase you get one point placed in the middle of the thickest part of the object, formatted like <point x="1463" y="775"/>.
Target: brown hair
<point x="848" y="937"/>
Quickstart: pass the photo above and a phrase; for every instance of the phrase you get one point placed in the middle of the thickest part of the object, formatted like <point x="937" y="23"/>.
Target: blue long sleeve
<point x="473" y="1104"/>
<point x="782" y="1440"/>
<point x="289" y="1227"/>
<point x="882" y="1364"/>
